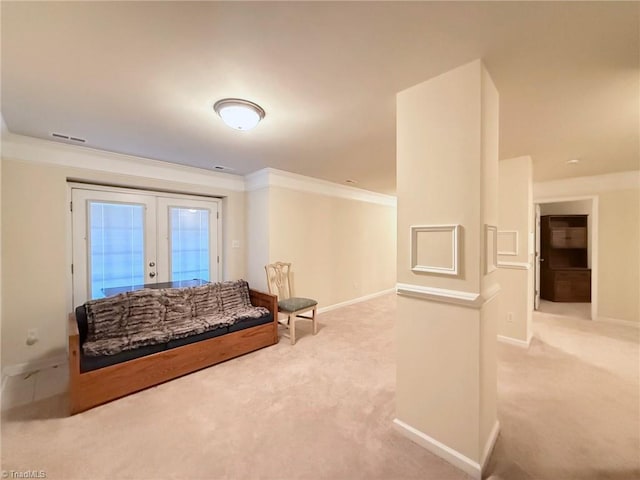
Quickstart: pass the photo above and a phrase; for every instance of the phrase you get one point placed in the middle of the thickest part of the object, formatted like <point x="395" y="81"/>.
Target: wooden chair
<point x="279" y="283"/>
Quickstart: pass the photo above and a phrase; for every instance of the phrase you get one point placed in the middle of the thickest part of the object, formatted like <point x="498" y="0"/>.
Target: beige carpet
<point x="323" y="410"/>
<point x="320" y="409"/>
<point x="569" y="406"/>
<point x="566" y="309"/>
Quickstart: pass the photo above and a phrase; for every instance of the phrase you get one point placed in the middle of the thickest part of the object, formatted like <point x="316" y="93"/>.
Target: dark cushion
<point x="81" y="320"/>
<point x="89" y="363"/>
<point x="179" y="342"/>
<point x="249" y="322"/>
<point x="294" y="304"/>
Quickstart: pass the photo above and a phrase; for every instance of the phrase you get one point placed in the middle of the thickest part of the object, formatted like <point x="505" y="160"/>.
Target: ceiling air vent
<point x="222" y="168"/>
<point x="67" y="137"/>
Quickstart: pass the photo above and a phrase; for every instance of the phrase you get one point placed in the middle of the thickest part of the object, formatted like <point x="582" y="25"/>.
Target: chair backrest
<point x="279" y="279"/>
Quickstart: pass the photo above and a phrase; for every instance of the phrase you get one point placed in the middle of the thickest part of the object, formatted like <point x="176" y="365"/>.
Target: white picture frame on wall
<point x="448" y="264"/>
<point x="491" y="248"/>
<point x="508" y="239"/>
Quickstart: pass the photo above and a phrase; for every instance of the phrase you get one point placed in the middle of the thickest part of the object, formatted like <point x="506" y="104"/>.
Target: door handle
<point x="152" y="274"/>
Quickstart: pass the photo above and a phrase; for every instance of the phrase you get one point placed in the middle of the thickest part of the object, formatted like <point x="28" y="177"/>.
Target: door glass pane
<point x="190" y="256"/>
<point x="116" y="246"/>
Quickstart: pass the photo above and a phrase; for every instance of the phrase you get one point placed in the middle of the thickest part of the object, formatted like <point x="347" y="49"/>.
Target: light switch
<point x="235" y="244"/>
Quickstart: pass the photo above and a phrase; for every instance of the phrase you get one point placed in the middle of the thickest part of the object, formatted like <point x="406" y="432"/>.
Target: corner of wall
<point x="516" y="222"/>
<point x="257" y="236"/>
<point x="1" y="229"/>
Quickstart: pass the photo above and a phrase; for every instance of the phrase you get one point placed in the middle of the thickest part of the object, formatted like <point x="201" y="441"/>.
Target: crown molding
<point x="257" y="180"/>
<point x="271" y="177"/>
<point x="30" y="149"/>
<point x="586" y="185"/>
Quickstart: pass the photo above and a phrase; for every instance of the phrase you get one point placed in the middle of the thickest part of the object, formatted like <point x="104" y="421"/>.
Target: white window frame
<point x="80" y="268"/>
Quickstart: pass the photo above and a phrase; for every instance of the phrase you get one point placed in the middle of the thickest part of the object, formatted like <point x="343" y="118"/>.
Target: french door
<point x="123" y="239"/>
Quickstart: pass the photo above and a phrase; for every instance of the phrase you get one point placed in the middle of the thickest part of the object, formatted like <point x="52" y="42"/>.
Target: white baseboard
<point x="355" y="300"/>
<point x="491" y="442"/>
<point x="515" y="341"/>
<point x="452" y="456"/>
<point x="618" y="321"/>
<point x="28" y="367"/>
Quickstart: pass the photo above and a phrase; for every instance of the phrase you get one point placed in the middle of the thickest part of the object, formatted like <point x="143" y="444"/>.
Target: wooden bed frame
<point x="89" y="389"/>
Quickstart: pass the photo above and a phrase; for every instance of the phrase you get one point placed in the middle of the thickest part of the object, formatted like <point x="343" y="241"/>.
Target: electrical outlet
<point x="32" y="336"/>
<point x="235" y="244"/>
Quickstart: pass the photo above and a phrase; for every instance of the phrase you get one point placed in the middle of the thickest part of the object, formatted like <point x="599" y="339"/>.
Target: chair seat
<point x="294" y="304"/>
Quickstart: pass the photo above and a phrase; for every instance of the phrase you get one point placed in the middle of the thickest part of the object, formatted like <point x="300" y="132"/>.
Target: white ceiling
<point x="141" y="79"/>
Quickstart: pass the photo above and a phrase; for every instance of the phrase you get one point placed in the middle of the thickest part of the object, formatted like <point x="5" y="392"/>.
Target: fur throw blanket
<point x="150" y="316"/>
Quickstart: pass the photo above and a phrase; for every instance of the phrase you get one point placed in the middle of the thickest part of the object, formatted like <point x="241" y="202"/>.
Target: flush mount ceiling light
<point x="573" y="161"/>
<point x="239" y="114"/>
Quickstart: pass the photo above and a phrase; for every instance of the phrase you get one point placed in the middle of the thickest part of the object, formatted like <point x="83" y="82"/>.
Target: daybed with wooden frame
<point x="91" y="388"/>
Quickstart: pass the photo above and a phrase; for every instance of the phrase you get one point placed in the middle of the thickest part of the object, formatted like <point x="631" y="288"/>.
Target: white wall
<point x="618" y="233"/>
<point x="619" y="255"/>
<point x="341" y="241"/>
<point x="516" y="274"/>
<point x="1" y="325"/>
<point x="447" y="174"/>
<point x="340" y="249"/>
<point x="36" y="229"/>
<point x="257" y="237"/>
<point x="350" y="230"/>
<point x="3" y="132"/>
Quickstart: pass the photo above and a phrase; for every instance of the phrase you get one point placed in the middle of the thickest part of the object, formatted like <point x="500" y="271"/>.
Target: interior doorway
<point x="576" y="238"/>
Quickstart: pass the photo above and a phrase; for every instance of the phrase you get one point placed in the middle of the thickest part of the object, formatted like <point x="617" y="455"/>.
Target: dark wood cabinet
<point x="569" y="237"/>
<point x="564" y="272"/>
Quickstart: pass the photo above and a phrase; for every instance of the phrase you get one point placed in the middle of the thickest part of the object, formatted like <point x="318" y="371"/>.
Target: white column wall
<point x="447" y="173"/>
<point x="516" y="268"/>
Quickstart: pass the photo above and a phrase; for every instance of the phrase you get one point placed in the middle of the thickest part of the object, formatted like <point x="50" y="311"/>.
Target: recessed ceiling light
<point x="239" y="114"/>
<point x="350" y="182"/>
<point x="573" y="161"/>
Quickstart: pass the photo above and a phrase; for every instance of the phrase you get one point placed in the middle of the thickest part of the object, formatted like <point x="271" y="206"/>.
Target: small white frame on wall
<point x="508" y="239"/>
<point x="490" y="248"/>
<point x="451" y="265"/>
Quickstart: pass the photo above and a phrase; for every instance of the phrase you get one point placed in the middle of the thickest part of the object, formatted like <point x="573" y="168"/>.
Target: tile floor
<point x="30" y="387"/>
